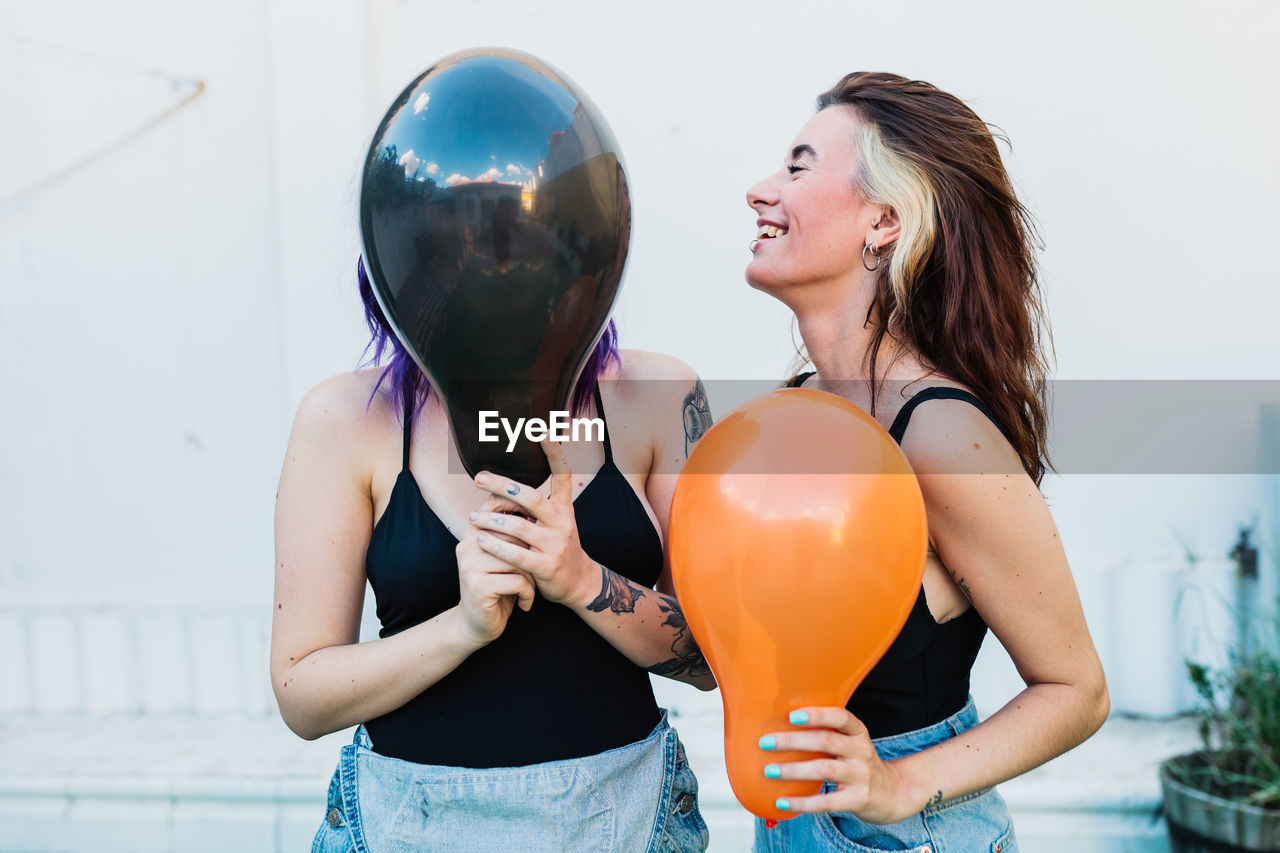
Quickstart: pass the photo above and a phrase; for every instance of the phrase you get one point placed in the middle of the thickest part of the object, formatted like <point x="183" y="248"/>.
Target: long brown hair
<point x="960" y="284"/>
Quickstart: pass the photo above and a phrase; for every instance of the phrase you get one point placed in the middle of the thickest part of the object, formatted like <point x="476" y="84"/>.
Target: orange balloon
<point x="798" y="541"/>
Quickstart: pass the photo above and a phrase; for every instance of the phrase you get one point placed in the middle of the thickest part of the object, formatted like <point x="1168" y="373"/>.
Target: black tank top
<point x="549" y="688"/>
<point x="924" y="676"/>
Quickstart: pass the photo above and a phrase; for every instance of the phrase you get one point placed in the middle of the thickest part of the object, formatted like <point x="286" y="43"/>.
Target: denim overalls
<point x="975" y="823"/>
<point x="639" y="798"/>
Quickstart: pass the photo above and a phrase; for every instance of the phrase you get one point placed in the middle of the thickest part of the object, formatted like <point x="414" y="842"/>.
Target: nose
<point x="764" y="193"/>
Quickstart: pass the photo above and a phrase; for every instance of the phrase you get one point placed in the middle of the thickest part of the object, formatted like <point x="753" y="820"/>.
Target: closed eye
<point x="794" y="169"/>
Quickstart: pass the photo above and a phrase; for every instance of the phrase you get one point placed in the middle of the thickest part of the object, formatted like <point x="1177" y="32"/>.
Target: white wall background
<point x="165" y="305"/>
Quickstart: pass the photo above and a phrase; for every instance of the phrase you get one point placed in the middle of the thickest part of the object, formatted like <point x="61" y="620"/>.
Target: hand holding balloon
<point x="798" y="542"/>
<point x="545" y="545"/>
<point x="867" y="785"/>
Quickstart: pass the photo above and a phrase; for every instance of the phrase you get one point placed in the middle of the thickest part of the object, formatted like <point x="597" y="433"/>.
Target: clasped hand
<point x="540" y="541"/>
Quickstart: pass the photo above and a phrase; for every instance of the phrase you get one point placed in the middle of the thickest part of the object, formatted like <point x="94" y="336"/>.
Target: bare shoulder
<point x="649" y="382"/>
<point x="658" y="386"/>
<point x="955" y="437"/>
<point x="642" y="364"/>
<point x="342" y="413"/>
<point x="344" y="399"/>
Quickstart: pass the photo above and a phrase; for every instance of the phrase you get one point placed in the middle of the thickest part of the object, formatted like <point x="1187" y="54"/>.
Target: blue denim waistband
<point x="896" y="746"/>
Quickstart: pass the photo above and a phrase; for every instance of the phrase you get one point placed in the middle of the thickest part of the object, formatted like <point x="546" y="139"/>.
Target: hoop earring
<point x="875" y="250"/>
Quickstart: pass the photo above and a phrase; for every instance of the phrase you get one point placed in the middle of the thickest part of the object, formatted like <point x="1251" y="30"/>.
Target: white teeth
<point x="769" y="231"/>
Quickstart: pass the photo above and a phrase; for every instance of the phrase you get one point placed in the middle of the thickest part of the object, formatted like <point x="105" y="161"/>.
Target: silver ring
<point x="752" y="247"/>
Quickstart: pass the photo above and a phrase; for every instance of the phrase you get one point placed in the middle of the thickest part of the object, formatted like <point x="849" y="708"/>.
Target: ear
<point x="884" y="229"/>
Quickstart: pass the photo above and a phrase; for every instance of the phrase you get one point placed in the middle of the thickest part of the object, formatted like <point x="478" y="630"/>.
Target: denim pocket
<point x="686" y="830"/>
<point x="333" y="836"/>
<point x="1006" y="843"/>
<point x="847" y="832"/>
<point x="555" y="811"/>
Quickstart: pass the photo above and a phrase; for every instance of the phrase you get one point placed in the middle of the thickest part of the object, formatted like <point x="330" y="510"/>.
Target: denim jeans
<point x="974" y="823"/>
<point x="639" y="798"/>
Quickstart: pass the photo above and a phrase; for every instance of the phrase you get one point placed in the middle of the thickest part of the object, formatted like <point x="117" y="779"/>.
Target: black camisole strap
<point x="937" y="392"/>
<point x="608" y="450"/>
<point x="797" y="381"/>
<point x="408" y="431"/>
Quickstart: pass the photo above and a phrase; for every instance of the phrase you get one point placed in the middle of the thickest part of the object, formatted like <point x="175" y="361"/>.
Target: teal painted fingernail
<point x="799" y="718"/>
<point x="773" y="771"/>
<point x="783" y="804"/>
<point x="768" y="742"/>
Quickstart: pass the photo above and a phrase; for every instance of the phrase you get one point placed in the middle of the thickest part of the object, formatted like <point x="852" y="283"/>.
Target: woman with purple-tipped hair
<point x="506" y="703"/>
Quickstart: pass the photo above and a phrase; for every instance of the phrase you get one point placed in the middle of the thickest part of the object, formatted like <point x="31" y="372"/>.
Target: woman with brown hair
<point x="894" y="234"/>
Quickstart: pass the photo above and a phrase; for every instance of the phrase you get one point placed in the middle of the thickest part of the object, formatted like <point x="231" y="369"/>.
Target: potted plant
<point x="1226" y="796"/>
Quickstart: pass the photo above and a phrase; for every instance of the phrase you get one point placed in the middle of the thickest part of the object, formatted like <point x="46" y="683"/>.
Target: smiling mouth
<point x="768" y="232"/>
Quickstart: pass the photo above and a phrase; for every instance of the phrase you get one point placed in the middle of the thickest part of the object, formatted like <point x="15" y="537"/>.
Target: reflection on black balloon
<point x="496" y="220"/>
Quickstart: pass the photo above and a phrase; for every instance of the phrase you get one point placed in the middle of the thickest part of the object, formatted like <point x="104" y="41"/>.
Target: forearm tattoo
<point x="617" y="594"/>
<point x="687" y="661"/>
<point x="697" y="416"/>
<point x="934" y="800"/>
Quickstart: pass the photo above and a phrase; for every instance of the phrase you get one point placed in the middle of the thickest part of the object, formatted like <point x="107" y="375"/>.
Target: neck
<point x="836" y="334"/>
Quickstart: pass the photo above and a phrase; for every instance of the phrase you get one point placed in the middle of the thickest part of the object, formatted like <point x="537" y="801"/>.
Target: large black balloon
<point x="495" y="218"/>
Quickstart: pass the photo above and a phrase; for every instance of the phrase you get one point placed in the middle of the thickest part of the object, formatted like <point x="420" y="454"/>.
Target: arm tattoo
<point x="688" y="661"/>
<point x="617" y="594"/>
<point x="934" y="800"/>
<point x="964" y="587"/>
<point x="697" y="416"/>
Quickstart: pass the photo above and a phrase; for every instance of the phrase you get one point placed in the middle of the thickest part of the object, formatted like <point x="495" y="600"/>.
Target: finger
<point x="524" y="598"/>
<point x="513" y="529"/>
<point x="833" y="801"/>
<point x="513" y="583"/>
<point x="497" y="503"/>
<point x="469" y="536"/>
<point x="828" y="717"/>
<point x="821" y="769"/>
<point x="521" y="558"/>
<point x="817" y="740"/>
<point x="527" y="498"/>
<point x="561" y="475"/>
